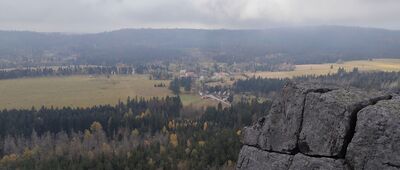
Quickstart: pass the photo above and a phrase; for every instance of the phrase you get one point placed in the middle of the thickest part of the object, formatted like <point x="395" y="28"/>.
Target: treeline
<point x="217" y="88"/>
<point x="136" y="134"/>
<point x="355" y="78"/>
<point x="282" y="66"/>
<point x="66" y="71"/>
<point x="150" y="115"/>
<point x="258" y="85"/>
<point x="156" y="71"/>
<point x="176" y="84"/>
<point x="241" y="113"/>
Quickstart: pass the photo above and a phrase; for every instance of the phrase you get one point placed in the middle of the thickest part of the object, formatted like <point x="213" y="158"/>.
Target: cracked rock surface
<point x="302" y="162"/>
<point x="254" y="158"/>
<point x="279" y="131"/>
<point x="319" y="127"/>
<point x="328" y="117"/>
<point x="376" y="143"/>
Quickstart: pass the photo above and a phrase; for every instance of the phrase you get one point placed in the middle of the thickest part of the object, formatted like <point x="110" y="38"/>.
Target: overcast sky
<point x="106" y="15"/>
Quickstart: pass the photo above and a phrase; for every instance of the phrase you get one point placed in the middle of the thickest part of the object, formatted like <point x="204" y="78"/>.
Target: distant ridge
<point x="295" y="44"/>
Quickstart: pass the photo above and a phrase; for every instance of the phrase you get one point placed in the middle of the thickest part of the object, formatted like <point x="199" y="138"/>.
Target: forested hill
<point x="297" y="44"/>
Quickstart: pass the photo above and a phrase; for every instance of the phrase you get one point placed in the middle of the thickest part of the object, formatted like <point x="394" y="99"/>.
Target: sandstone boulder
<point x="252" y="158"/>
<point x="376" y="143"/>
<point x="328" y="119"/>
<point x="312" y="127"/>
<point x="281" y="128"/>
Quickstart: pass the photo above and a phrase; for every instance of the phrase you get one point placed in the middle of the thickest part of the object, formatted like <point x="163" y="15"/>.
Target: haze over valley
<point x="202" y="84"/>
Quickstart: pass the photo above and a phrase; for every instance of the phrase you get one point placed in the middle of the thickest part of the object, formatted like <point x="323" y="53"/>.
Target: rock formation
<point x="320" y="127"/>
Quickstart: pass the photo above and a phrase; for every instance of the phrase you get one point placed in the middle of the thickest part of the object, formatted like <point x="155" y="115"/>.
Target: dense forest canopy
<point x="385" y="81"/>
<point x="297" y="45"/>
<point x="136" y="134"/>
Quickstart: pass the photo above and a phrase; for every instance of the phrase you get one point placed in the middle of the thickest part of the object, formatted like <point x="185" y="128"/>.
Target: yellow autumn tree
<point x="96" y="127"/>
<point x="171" y="124"/>
<point x="202" y="143"/>
<point x="173" y="139"/>
<point x="28" y="153"/>
<point x="87" y="135"/>
<point x="135" y="132"/>
<point x="9" y="159"/>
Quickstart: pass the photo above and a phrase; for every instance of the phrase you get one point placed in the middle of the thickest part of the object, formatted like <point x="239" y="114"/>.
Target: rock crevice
<point x="392" y="165"/>
<point x="315" y="125"/>
<point x="353" y="122"/>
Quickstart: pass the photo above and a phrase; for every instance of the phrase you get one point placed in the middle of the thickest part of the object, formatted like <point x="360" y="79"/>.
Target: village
<point x="204" y="79"/>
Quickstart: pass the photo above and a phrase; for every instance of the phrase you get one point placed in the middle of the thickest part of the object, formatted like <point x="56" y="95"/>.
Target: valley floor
<point x="76" y="91"/>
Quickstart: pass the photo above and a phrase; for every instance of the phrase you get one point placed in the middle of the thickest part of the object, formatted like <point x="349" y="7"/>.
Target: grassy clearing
<point x="84" y="91"/>
<point x="76" y="91"/>
<point x="323" y="69"/>
<point x="196" y="101"/>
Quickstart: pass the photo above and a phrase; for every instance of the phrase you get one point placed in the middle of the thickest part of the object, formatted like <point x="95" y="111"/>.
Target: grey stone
<point x="281" y="129"/>
<point x="313" y="127"/>
<point x="376" y="143"/>
<point x="328" y="119"/>
<point x="252" y="158"/>
<point x="250" y="136"/>
<point x="302" y="162"/>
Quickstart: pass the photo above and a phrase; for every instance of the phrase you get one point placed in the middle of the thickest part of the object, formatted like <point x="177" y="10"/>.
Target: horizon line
<point x="190" y="28"/>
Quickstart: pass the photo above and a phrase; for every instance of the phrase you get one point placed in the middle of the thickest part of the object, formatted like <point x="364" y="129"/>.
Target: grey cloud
<point x="102" y="15"/>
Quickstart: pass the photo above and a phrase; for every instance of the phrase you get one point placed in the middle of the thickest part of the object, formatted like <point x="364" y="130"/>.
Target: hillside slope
<point x="296" y="44"/>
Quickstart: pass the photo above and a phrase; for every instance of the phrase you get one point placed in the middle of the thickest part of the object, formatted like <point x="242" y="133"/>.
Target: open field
<point x="323" y="69"/>
<point x="76" y="91"/>
<point x="84" y="91"/>
<point x="196" y="101"/>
